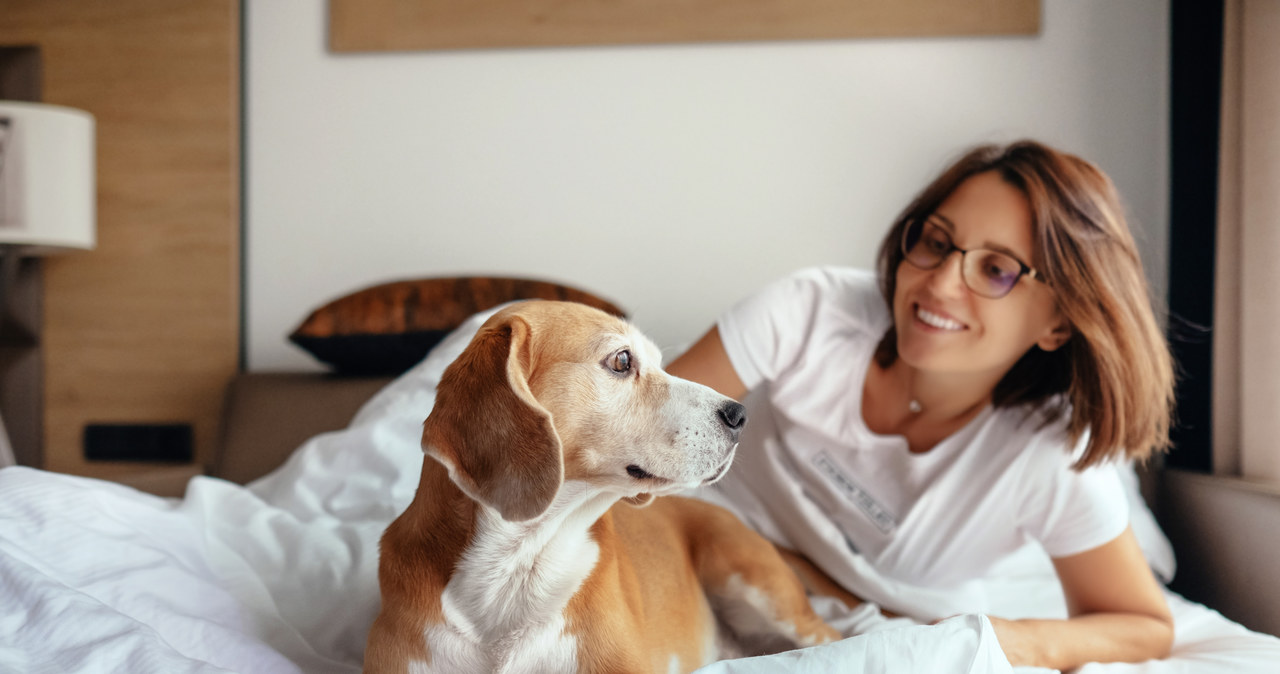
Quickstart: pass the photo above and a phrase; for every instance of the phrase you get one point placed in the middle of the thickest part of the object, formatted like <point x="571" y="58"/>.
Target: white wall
<point x="671" y="179"/>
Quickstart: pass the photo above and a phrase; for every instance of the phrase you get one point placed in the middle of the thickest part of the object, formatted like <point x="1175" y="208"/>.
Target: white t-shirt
<point x="912" y="532"/>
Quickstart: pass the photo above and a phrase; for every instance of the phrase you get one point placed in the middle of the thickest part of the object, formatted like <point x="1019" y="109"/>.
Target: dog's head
<point x="555" y="391"/>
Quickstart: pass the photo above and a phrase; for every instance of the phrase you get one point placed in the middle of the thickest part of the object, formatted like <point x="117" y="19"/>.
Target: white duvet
<point x="281" y="576"/>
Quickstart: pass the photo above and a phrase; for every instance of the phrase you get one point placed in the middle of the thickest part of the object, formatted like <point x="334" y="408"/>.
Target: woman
<point x="908" y="442"/>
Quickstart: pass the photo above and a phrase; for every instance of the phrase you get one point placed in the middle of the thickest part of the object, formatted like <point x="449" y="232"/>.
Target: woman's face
<point x="945" y="327"/>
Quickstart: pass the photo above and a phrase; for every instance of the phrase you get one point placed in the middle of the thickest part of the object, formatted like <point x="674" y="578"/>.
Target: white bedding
<point x="281" y="576"/>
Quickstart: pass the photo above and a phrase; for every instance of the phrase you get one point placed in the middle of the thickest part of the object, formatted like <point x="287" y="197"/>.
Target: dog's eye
<point x="638" y="473"/>
<point x="620" y="362"/>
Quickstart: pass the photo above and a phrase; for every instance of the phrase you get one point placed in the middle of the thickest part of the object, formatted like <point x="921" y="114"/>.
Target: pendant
<point x="914" y="406"/>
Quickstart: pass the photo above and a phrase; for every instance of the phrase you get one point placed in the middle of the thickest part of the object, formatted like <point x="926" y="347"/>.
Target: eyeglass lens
<point x="986" y="272"/>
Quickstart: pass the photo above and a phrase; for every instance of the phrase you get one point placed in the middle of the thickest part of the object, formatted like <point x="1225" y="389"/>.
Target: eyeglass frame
<point x="1024" y="269"/>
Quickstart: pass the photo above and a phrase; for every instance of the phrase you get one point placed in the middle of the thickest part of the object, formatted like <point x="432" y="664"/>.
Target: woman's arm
<point x="1118" y="613"/>
<point x="707" y="363"/>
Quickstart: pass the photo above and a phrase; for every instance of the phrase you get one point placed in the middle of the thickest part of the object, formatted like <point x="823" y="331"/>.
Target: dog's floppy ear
<point x="639" y="500"/>
<point x="486" y="427"/>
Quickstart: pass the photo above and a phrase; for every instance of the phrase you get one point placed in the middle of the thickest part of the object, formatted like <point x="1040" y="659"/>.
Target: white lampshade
<point x="47" y="193"/>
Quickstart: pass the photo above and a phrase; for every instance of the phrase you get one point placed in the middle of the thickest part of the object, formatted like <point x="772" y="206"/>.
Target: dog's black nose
<point x="734" y="416"/>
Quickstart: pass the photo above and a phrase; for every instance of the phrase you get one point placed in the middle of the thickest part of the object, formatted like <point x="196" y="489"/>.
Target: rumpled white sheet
<point x="961" y="644"/>
<point x="281" y="576"/>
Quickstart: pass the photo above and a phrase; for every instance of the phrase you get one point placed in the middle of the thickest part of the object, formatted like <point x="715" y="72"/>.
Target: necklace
<point x="914" y="406"/>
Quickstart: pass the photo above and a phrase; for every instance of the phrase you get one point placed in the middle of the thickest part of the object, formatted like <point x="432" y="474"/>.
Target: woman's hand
<point x="1017" y="641"/>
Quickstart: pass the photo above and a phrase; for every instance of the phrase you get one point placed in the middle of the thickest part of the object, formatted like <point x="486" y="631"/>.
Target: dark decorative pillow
<point x="387" y="329"/>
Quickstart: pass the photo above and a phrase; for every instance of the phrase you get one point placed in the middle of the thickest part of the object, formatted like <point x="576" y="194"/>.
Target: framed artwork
<point x="411" y="25"/>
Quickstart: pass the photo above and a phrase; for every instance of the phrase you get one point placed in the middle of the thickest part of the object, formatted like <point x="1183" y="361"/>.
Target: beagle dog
<point x="516" y="554"/>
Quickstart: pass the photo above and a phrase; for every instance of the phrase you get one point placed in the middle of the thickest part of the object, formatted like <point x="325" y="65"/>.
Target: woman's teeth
<point x="934" y="320"/>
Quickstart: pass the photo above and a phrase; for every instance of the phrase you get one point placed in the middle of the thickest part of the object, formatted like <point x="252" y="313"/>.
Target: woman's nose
<point x="947" y="279"/>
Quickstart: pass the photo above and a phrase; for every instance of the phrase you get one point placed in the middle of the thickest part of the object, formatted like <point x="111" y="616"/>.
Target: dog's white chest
<point x="544" y="649"/>
<point x="504" y="606"/>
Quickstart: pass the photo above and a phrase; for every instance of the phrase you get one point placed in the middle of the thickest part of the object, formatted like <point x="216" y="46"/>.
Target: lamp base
<point x="21" y="365"/>
<point x="14" y="331"/>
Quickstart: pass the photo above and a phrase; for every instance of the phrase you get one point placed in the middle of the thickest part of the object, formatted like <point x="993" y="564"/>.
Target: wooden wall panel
<point x="394" y="25"/>
<point x="145" y="328"/>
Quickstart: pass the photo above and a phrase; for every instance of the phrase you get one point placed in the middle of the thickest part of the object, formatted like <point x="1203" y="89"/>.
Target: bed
<point x="269" y="563"/>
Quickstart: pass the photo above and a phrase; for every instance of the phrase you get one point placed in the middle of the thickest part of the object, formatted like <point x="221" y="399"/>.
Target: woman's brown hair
<point x="1116" y="370"/>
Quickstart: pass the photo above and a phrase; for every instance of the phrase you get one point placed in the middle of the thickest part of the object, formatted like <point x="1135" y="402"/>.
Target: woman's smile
<point x="936" y="320"/>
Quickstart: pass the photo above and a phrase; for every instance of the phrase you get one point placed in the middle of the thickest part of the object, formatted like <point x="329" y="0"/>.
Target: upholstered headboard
<point x="268" y="415"/>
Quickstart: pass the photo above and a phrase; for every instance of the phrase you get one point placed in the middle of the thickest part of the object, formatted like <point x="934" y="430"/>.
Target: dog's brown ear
<point x="486" y="427"/>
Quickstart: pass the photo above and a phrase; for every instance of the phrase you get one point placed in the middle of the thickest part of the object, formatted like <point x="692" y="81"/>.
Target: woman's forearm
<point x="1097" y="637"/>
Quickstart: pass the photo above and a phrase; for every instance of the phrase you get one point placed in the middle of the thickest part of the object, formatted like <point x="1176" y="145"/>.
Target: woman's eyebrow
<point x="950" y="226"/>
<point x="987" y="245"/>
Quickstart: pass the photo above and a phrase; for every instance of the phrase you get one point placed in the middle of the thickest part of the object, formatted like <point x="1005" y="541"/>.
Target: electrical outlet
<point x="138" y="442"/>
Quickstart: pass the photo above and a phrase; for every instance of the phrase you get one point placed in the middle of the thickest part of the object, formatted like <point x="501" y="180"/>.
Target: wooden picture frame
<point x="412" y="25"/>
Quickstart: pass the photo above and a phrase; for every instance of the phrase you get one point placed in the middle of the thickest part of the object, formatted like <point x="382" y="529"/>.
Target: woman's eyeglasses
<point x="988" y="273"/>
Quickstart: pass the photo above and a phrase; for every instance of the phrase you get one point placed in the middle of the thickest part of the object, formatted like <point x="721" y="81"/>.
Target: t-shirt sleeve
<point x="1070" y="511"/>
<point x="765" y="333"/>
